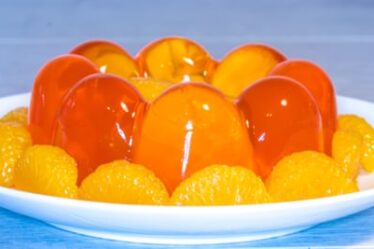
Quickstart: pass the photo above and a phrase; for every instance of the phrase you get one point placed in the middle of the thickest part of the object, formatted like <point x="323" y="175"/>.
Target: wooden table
<point x="338" y="35"/>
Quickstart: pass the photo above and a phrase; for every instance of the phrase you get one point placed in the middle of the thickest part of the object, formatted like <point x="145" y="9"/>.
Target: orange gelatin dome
<point x="109" y="57"/>
<point x="50" y="86"/>
<point x="175" y="59"/>
<point x="243" y="66"/>
<point x="97" y="121"/>
<point x="282" y="117"/>
<point x="320" y="86"/>
<point x="190" y="127"/>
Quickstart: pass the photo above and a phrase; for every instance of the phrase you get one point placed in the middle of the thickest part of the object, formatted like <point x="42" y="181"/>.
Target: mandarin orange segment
<point x="316" y="80"/>
<point x="306" y="175"/>
<point x="48" y="170"/>
<point x="123" y="182"/>
<point x="175" y="59"/>
<point x="352" y="122"/>
<point x="347" y="147"/>
<point x="243" y="66"/>
<point x="221" y="185"/>
<point x="282" y="117"/>
<point x="360" y="125"/>
<point x="187" y="128"/>
<point x="97" y="120"/>
<point x="17" y="116"/>
<point x="109" y="57"/>
<point x="50" y="86"/>
<point x="150" y="88"/>
<point x="14" y="139"/>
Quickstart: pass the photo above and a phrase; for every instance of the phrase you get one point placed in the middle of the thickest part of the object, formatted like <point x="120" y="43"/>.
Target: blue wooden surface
<point x="338" y="35"/>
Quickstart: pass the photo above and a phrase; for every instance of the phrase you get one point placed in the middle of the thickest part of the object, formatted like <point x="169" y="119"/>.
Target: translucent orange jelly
<point x="282" y="117"/>
<point x="97" y="121"/>
<point x="320" y="86"/>
<point x="109" y="57"/>
<point x="189" y="127"/>
<point x="243" y="66"/>
<point x="50" y="86"/>
<point x="175" y="59"/>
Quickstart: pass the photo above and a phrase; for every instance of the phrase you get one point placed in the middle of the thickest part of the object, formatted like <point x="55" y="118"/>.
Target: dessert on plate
<point x="174" y="126"/>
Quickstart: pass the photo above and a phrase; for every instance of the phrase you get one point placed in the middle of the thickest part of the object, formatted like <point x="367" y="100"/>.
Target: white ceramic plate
<point x="189" y="225"/>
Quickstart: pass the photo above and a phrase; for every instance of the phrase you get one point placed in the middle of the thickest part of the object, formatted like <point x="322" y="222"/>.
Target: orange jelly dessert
<point x="97" y="120"/>
<point x="245" y="113"/>
<point x="189" y="127"/>
<point x="175" y="59"/>
<point x="243" y="66"/>
<point x="320" y="86"/>
<point x="50" y="86"/>
<point x="109" y="57"/>
<point x="282" y="117"/>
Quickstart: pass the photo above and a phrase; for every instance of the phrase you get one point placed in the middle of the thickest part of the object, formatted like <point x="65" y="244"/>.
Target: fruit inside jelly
<point x="109" y="57"/>
<point x="243" y="66"/>
<point x="175" y="59"/>
<point x="149" y="88"/>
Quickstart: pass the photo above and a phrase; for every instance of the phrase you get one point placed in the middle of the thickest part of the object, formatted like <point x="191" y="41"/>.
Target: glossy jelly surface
<point x="97" y="121"/>
<point x="109" y="57"/>
<point x="175" y="59"/>
<point x="243" y="66"/>
<point x="319" y="84"/>
<point x="189" y="127"/>
<point x="50" y="86"/>
<point x="282" y="117"/>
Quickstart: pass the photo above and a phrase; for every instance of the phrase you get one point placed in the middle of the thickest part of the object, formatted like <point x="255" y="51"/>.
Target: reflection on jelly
<point x="175" y="59"/>
<point x="109" y="57"/>
<point x="319" y="84"/>
<point x="282" y="117"/>
<point x="97" y="120"/>
<point x="50" y="86"/>
<point x="191" y="126"/>
<point x="243" y="66"/>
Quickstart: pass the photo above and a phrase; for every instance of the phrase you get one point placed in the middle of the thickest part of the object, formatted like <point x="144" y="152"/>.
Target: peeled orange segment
<point x="50" y="86"/>
<point x="14" y="140"/>
<point x="347" y="148"/>
<point x="188" y="127"/>
<point x="243" y="66"/>
<point x="149" y="88"/>
<point x="96" y="122"/>
<point x="109" y="57"/>
<point x="48" y="170"/>
<point x="17" y="116"/>
<point x="282" y="117"/>
<point x="316" y="80"/>
<point x="123" y="182"/>
<point x="357" y="124"/>
<point x="306" y="175"/>
<point x="175" y="59"/>
<point x="220" y="185"/>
